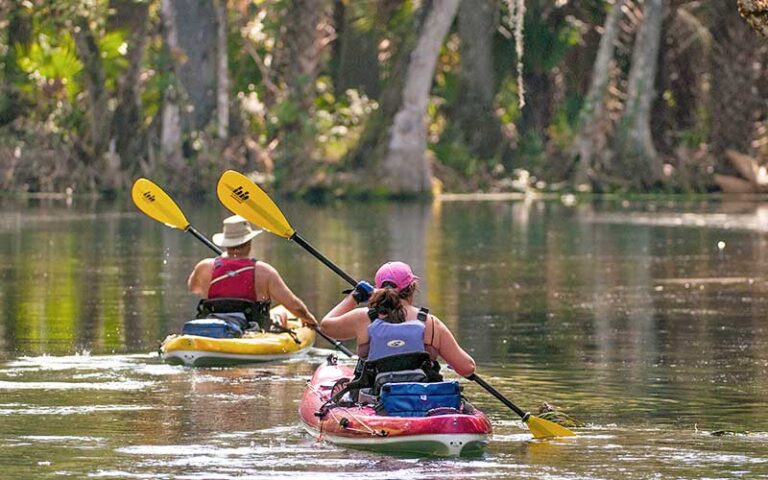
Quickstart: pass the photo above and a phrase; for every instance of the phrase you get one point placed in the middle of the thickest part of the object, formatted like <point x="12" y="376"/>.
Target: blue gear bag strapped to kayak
<point x="212" y="327"/>
<point x="416" y="399"/>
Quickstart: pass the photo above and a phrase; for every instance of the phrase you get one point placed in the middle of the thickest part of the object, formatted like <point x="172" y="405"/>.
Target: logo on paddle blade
<point x="148" y="195"/>
<point x="240" y="194"/>
<point x="395" y="343"/>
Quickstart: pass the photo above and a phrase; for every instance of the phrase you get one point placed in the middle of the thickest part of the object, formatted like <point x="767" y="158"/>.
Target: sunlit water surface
<point x="645" y="320"/>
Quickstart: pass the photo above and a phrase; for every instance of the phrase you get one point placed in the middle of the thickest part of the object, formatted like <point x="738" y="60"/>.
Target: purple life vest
<point x="386" y="339"/>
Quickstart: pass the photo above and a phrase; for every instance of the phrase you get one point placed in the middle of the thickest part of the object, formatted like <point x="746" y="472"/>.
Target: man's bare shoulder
<point x="264" y="267"/>
<point x="206" y="262"/>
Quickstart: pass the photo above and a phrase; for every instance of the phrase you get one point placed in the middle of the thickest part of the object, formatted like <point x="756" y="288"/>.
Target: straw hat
<point x="235" y="231"/>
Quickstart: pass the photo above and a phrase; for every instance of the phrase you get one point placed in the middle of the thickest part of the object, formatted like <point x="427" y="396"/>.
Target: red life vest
<point x="232" y="278"/>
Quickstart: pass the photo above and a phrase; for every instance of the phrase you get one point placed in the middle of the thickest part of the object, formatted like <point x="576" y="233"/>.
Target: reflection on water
<point x="645" y="320"/>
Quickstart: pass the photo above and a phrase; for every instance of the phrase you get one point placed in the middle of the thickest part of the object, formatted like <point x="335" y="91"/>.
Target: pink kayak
<point x="446" y="433"/>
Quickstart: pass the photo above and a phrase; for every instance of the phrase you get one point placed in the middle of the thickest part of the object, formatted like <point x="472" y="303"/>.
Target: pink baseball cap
<point x="398" y="273"/>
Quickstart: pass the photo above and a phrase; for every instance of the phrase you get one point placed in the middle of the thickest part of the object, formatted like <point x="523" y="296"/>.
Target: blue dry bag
<point x="416" y="399"/>
<point x="212" y="327"/>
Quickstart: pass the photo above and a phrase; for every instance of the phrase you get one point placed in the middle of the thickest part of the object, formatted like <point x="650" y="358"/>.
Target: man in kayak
<point x="235" y="275"/>
<point x="391" y="326"/>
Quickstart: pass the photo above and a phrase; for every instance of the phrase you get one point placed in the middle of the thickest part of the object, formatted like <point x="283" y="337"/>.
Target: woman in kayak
<point x="391" y="324"/>
<point x="236" y="275"/>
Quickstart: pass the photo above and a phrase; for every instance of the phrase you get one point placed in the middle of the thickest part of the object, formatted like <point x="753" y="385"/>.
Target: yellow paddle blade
<point x="541" y="428"/>
<point x="155" y="203"/>
<point x="243" y="197"/>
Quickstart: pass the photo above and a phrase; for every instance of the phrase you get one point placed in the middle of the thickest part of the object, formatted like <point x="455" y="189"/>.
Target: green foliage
<point x="286" y="111"/>
<point x="42" y="78"/>
<point x="699" y="133"/>
<point x="453" y="153"/>
<point x="113" y="49"/>
<point x="52" y="66"/>
<point x="158" y="78"/>
<point x="547" y="42"/>
<point x="562" y="129"/>
<point x="696" y="135"/>
<point x="338" y="120"/>
<point x="506" y="99"/>
<point x="446" y="85"/>
<point x="362" y="14"/>
<point x="50" y="62"/>
<point x="532" y="151"/>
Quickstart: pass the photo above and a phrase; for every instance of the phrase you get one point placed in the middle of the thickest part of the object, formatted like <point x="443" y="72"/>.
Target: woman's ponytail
<point x="388" y="303"/>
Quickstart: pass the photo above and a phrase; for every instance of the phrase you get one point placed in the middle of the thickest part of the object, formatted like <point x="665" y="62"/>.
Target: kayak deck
<point x="360" y="426"/>
<point x="252" y="347"/>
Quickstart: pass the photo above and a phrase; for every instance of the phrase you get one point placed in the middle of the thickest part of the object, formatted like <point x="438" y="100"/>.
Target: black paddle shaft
<point x="204" y="239"/>
<point x="306" y="246"/>
<point x="498" y="395"/>
<point x="297" y="238"/>
<point x="336" y="343"/>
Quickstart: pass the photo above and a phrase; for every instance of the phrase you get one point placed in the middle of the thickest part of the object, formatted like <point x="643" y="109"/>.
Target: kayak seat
<point x="373" y="374"/>
<point x="255" y="314"/>
<point x="402" y="376"/>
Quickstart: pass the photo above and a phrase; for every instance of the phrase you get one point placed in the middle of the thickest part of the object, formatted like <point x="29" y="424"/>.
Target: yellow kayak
<point x="252" y="347"/>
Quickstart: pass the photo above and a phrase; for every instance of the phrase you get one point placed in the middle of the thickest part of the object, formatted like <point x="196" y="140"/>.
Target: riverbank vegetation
<point x="368" y="98"/>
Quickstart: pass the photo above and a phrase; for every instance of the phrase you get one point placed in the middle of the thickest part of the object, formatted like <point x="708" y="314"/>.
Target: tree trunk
<point x="356" y="51"/>
<point x="222" y="71"/>
<point x="684" y="76"/>
<point x="298" y="59"/>
<point x="195" y="53"/>
<point x="170" y="115"/>
<point x="540" y="91"/>
<point x="477" y="23"/>
<point x="98" y="114"/>
<point x="302" y="42"/>
<point x="18" y="31"/>
<point x="127" y="127"/>
<point x="594" y="124"/>
<point x="736" y="67"/>
<point x="635" y="151"/>
<point x="367" y="154"/>
<point x="539" y="79"/>
<point x="407" y="170"/>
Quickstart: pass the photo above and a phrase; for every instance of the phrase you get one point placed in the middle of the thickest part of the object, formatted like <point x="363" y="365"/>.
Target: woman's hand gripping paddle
<point x="156" y="204"/>
<point x="243" y="197"/>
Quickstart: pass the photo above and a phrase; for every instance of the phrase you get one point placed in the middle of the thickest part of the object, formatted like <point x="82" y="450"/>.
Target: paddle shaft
<point x="336" y="344"/>
<point x="216" y="249"/>
<point x="204" y="239"/>
<point x="306" y="246"/>
<point x="474" y="377"/>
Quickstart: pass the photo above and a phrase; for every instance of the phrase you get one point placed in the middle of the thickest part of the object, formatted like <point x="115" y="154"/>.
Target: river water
<point x="646" y="320"/>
